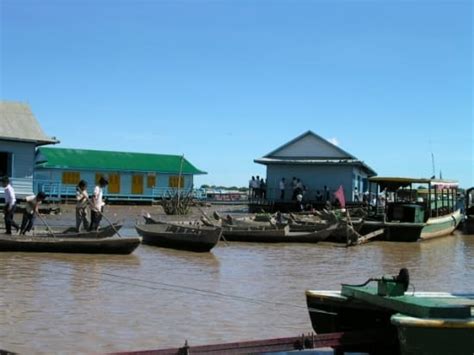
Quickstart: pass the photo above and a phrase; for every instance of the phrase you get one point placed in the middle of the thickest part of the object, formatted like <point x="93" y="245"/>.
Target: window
<point x="114" y="184"/>
<point x="151" y="181"/>
<point x="71" y="177"/>
<point x="173" y="181"/>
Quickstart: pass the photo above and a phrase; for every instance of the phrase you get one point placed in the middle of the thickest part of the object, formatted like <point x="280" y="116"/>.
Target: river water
<point x="155" y="298"/>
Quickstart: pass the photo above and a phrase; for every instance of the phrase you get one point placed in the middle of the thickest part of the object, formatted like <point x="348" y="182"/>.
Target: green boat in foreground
<point x="421" y="322"/>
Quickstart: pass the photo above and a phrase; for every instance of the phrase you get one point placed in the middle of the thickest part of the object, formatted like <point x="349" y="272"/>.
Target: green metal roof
<point x="82" y="159"/>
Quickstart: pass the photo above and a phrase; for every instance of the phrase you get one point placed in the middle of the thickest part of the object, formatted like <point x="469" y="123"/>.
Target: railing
<point x="23" y="187"/>
<point x="58" y="191"/>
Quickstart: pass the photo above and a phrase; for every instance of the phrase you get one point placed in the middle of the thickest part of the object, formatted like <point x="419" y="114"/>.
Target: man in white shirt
<point x="282" y="189"/>
<point x="10" y="205"/>
<point x="97" y="204"/>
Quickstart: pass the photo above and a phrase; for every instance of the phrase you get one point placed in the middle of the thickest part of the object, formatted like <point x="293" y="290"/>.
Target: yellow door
<point x="114" y="183"/>
<point x="137" y="184"/>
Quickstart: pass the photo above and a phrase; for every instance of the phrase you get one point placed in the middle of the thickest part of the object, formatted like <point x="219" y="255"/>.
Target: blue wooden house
<point x="20" y="135"/>
<point x="131" y="176"/>
<point x="317" y="163"/>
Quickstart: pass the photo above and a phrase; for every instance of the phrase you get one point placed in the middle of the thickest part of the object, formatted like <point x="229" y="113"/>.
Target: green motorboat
<point x="412" y="209"/>
<point x="421" y="322"/>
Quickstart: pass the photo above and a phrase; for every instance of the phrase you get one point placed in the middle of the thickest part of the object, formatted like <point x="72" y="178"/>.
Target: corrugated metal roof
<point x="82" y="159"/>
<point x="344" y="154"/>
<point x="17" y="122"/>
<point x="309" y="161"/>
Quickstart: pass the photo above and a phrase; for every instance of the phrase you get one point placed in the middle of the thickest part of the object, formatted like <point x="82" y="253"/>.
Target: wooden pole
<point x="46" y="224"/>
<point x="179" y="179"/>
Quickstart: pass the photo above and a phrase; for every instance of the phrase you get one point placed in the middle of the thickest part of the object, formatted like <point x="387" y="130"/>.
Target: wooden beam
<point x="311" y="341"/>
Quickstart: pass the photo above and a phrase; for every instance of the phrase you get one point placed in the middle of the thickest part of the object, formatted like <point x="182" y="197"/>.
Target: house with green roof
<point x="131" y="176"/>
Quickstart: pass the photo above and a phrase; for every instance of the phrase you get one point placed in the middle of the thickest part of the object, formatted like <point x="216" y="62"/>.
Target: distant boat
<point x="410" y="213"/>
<point x="468" y="223"/>
<point x="408" y="322"/>
<point x="195" y="238"/>
<point x="95" y="242"/>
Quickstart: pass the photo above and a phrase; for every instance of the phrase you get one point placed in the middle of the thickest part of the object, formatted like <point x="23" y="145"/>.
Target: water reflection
<point x="159" y="297"/>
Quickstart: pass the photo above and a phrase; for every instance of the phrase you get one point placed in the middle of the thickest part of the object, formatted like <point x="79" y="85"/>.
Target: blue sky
<point x="225" y="82"/>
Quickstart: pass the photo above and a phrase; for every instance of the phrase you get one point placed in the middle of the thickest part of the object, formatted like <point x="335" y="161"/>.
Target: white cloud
<point x="333" y="141"/>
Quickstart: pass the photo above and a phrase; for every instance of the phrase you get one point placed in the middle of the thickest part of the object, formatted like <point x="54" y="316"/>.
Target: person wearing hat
<point x="31" y="210"/>
<point x="10" y="205"/>
<point x="97" y="204"/>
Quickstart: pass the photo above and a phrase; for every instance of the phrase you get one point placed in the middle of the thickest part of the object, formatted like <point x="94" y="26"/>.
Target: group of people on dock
<point x="300" y="192"/>
<point x="32" y="203"/>
<point x="257" y="188"/>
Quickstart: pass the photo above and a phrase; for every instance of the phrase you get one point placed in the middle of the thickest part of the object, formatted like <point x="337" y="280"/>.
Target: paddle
<point x="106" y="218"/>
<point x="46" y="224"/>
<point x="111" y="224"/>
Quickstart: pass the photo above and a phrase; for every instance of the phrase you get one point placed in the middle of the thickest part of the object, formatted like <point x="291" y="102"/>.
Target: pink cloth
<point x="340" y="196"/>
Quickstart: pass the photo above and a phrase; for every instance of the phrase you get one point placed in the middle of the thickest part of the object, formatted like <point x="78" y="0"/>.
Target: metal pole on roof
<point x="179" y="178"/>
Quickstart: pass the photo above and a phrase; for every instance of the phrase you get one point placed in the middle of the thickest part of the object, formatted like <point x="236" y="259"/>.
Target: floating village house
<point x="131" y="176"/>
<point x="20" y="134"/>
<point x="317" y="163"/>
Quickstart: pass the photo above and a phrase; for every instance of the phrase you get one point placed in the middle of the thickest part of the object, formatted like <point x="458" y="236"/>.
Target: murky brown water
<point x="157" y="298"/>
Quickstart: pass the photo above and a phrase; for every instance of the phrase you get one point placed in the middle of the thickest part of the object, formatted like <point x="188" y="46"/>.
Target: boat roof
<point x="403" y="181"/>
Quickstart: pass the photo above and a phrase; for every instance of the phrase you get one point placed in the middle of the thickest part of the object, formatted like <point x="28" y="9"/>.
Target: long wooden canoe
<point x="101" y="242"/>
<point x="181" y="237"/>
<point x="282" y="235"/>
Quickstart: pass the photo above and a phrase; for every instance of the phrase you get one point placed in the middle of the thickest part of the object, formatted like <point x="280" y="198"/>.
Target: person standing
<point x="282" y="189"/>
<point x="10" y="206"/>
<point x="82" y="201"/>
<point x="319" y="197"/>
<point x="294" y="184"/>
<point x="326" y="194"/>
<point x="31" y="210"/>
<point x="251" y="187"/>
<point x="263" y="189"/>
<point x="97" y="205"/>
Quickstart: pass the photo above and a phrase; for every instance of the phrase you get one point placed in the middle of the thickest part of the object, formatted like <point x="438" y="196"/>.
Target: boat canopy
<point x="394" y="183"/>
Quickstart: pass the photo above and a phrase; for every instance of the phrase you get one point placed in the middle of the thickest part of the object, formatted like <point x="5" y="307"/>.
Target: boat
<point x="468" y="222"/>
<point x="69" y="241"/>
<point x="416" y="322"/>
<point x="195" y="238"/>
<point x="411" y="209"/>
<point x="259" y="234"/>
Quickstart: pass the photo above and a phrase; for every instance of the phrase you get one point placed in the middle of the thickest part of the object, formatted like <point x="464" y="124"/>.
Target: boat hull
<point x="332" y="312"/>
<point x="283" y="235"/>
<point x="183" y="238"/>
<point x="37" y="244"/>
<point x="468" y="225"/>
<point x="412" y="232"/>
<point x="426" y="336"/>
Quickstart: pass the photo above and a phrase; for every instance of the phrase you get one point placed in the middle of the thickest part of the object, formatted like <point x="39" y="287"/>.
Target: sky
<point x="226" y="82"/>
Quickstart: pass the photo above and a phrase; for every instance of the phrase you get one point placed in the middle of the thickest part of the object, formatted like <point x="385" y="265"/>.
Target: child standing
<point x="97" y="204"/>
<point x="82" y="201"/>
